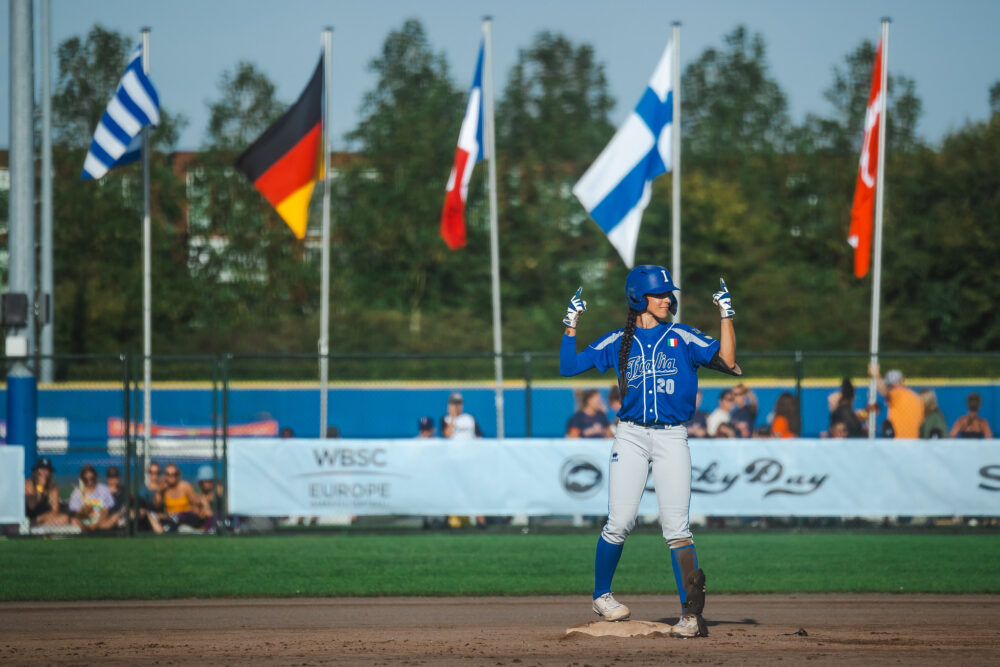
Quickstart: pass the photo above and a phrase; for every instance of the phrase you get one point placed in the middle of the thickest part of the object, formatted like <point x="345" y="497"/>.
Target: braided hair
<point x="625" y="350"/>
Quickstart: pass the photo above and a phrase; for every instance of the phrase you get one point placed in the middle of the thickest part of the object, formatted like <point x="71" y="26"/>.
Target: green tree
<point x="97" y="245"/>
<point x="390" y="255"/>
<point x="552" y="122"/>
<point x="258" y="283"/>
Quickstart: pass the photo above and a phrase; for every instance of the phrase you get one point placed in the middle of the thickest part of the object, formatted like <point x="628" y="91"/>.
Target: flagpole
<point x="879" y="206"/>
<point x="490" y="154"/>
<point x="675" y="158"/>
<point x="147" y="272"/>
<point x="324" y="317"/>
<point x="46" y="227"/>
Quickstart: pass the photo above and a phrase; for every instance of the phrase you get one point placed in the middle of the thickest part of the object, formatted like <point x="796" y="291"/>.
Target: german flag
<point x="285" y="162"/>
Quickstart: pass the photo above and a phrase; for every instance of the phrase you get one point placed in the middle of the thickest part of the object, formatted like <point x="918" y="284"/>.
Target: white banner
<point x="279" y="477"/>
<point x="11" y="484"/>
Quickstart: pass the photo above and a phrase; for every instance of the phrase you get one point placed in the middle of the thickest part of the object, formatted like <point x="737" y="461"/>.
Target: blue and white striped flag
<point x="118" y="138"/>
<point x="616" y="188"/>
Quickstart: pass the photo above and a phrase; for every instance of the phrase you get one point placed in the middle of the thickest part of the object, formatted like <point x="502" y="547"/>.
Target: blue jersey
<point x="661" y="372"/>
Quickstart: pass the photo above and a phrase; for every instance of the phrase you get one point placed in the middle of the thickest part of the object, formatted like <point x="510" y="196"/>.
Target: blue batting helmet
<point x="649" y="279"/>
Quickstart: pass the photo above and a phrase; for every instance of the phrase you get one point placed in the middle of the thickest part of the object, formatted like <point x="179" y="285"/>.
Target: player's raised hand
<point x="575" y="307"/>
<point x="723" y="301"/>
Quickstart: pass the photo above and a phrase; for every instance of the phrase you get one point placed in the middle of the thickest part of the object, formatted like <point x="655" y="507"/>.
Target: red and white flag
<point x="860" y="235"/>
<point x="468" y="153"/>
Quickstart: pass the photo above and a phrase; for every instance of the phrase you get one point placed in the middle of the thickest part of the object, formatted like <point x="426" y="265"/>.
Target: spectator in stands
<point x="91" y="502"/>
<point x="906" y="410"/>
<point x="786" y="423"/>
<point x="744" y="414"/>
<point x="208" y="495"/>
<point x="286" y="432"/>
<point x="180" y="504"/>
<point x="763" y="431"/>
<point x="591" y="420"/>
<point x="721" y="414"/>
<point x="725" y="430"/>
<point x="971" y="425"/>
<point x="425" y="427"/>
<point x="614" y="405"/>
<point x="457" y="423"/>
<point x="842" y="410"/>
<point x="332" y="431"/>
<point x="698" y="426"/>
<point x="838" y="429"/>
<point x="41" y="496"/>
<point x="934" y="424"/>
<point x="149" y="508"/>
<point x="113" y="479"/>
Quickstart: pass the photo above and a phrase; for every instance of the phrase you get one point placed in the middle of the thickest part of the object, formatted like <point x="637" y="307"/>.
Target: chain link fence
<point x="92" y="420"/>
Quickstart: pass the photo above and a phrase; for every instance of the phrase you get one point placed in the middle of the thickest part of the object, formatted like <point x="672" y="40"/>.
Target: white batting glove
<point x="573" y="310"/>
<point x="723" y="301"/>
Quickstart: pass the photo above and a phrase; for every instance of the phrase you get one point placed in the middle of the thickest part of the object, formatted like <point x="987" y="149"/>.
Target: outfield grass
<point x="486" y="564"/>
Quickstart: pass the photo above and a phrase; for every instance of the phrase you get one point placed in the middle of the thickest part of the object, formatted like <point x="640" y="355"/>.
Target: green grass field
<point x="440" y="564"/>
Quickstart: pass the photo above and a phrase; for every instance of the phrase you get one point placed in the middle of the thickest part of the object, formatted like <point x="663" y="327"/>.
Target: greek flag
<point x="118" y="138"/>
<point x="616" y="188"/>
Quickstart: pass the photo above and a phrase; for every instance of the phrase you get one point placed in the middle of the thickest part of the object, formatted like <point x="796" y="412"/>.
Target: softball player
<point x="656" y="362"/>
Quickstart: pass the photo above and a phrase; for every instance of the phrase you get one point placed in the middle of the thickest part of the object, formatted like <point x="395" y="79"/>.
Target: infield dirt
<point x="744" y="629"/>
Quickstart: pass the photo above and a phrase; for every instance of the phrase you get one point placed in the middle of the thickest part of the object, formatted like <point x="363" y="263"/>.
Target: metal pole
<point x="527" y="394"/>
<point x="21" y="385"/>
<point x="147" y="278"/>
<point x="324" y="317"/>
<point x="879" y="206"/>
<point x="46" y="369"/>
<point x="490" y="151"/>
<point x="675" y="158"/>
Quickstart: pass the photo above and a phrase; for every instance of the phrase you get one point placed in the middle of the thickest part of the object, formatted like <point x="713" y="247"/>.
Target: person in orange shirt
<point x="786" y="423"/>
<point x="906" y="409"/>
<point x="179" y="501"/>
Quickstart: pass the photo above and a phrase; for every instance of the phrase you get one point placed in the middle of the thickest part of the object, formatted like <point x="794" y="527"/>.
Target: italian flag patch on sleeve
<point x="672" y="342"/>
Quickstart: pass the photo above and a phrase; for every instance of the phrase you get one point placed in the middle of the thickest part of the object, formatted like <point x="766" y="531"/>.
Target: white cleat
<point x="690" y="625"/>
<point x="610" y="609"/>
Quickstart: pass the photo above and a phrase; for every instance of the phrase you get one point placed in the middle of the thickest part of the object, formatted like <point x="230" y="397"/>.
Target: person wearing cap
<point x="906" y="409"/>
<point x="458" y="424"/>
<point x="113" y="478"/>
<point x="425" y="427"/>
<point x="41" y="496"/>
<point x="208" y="493"/>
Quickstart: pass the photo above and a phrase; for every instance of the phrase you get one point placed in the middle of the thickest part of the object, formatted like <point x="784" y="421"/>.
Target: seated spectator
<point x="698" y="426"/>
<point x="842" y="410"/>
<point x="744" y="414"/>
<point x="591" y="420"/>
<point x="457" y="423"/>
<point x="971" y="425"/>
<point x="934" y="424"/>
<point x="763" y="431"/>
<point x="91" y="502"/>
<point x="721" y="414"/>
<point x="209" y="493"/>
<point x="117" y="512"/>
<point x="838" y="429"/>
<point x="614" y="405"/>
<point x="149" y="509"/>
<point x="286" y="432"/>
<point x="180" y="504"/>
<point x="332" y="431"/>
<point x="906" y="410"/>
<point x="41" y="496"/>
<point x="425" y="428"/>
<point x="786" y="422"/>
<point x="725" y="430"/>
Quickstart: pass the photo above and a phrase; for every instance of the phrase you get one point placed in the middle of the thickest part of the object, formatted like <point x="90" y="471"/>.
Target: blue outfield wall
<point x="393" y="411"/>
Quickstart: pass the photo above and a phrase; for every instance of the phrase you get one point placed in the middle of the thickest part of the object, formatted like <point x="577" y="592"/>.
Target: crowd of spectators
<point x="166" y="503"/>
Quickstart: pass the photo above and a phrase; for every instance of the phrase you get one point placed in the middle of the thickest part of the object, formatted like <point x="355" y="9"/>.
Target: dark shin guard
<point x="690" y="580"/>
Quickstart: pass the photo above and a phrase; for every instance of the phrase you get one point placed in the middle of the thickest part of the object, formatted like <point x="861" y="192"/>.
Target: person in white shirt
<point x="722" y="414"/>
<point x="458" y="424"/>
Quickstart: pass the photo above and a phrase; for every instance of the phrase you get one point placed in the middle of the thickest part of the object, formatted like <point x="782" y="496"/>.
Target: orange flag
<point x="860" y="236"/>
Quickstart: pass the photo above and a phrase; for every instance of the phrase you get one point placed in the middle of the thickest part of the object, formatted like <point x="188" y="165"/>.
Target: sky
<point x="949" y="48"/>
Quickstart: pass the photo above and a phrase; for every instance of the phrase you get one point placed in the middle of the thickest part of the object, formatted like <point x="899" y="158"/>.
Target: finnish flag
<point x="118" y="138"/>
<point x="616" y="188"/>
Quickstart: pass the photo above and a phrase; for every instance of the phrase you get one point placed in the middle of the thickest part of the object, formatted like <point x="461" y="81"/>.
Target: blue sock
<point x="605" y="564"/>
<point x="684" y="561"/>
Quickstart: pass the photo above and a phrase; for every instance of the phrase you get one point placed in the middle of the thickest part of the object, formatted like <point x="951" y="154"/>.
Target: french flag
<point x="468" y="153"/>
